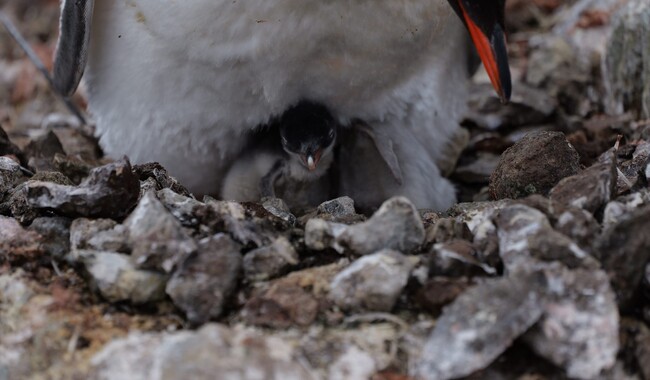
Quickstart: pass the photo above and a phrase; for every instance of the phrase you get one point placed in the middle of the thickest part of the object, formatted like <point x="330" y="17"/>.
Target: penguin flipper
<point x="72" y="46"/>
<point x="384" y="146"/>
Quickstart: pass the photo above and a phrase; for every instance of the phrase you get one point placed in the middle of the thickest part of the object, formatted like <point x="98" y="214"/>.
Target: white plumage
<point x="179" y="82"/>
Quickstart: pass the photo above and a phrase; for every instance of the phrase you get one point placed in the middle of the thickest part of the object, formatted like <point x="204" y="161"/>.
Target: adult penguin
<point x="180" y="82"/>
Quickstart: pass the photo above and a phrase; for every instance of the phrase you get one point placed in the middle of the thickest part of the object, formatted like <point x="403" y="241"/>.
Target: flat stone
<point x="109" y="191"/>
<point x="623" y="248"/>
<point x="214" y="350"/>
<point x="202" y="285"/>
<point x="55" y="234"/>
<point x="98" y="235"/>
<point x="182" y="207"/>
<point x="16" y="243"/>
<point x="372" y="283"/>
<point x="10" y="176"/>
<point x="117" y="279"/>
<point x="627" y="62"/>
<point x="525" y="233"/>
<point x="590" y="190"/>
<point x="282" y="306"/>
<point x="480" y="325"/>
<point x="534" y="165"/>
<point x="270" y="261"/>
<point x="157" y="239"/>
<point x="396" y="225"/>
<point x="579" y="330"/>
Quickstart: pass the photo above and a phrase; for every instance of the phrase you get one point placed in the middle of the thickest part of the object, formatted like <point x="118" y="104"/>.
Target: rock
<point x="98" y="235"/>
<point x="441" y="291"/>
<point x="17" y="244"/>
<point x="372" y="283"/>
<point x="214" y="350"/>
<point x="623" y="249"/>
<point x="182" y="207"/>
<point x="8" y="148"/>
<point x="579" y="328"/>
<point x="447" y="229"/>
<point x="627" y="62"/>
<point x="396" y="225"/>
<point x="117" y="279"/>
<point x="282" y="306"/>
<point x="10" y="176"/>
<point x="632" y="172"/>
<point x="278" y="208"/>
<point x="109" y="191"/>
<point x="55" y="233"/>
<point x="41" y="151"/>
<point x="533" y="166"/>
<point x="479" y="326"/>
<point x="161" y="178"/>
<point x="157" y="239"/>
<point x="618" y="209"/>
<point x="458" y="258"/>
<point x="267" y="262"/>
<point x="205" y="281"/>
<point x="525" y="233"/>
<point x="590" y="189"/>
<point x="72" y="167"/>
<point x="575" y="223"/>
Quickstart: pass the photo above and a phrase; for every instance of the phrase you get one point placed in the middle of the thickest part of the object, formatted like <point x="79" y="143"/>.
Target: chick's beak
<point x="484" y="20"/>
<point x="311" y="160"/>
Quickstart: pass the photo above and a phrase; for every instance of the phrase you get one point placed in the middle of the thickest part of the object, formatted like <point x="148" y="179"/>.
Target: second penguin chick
<point x="293" y="154"/>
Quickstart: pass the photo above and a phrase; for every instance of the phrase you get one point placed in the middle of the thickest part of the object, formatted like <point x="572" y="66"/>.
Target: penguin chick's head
<point x="308" y="132"/>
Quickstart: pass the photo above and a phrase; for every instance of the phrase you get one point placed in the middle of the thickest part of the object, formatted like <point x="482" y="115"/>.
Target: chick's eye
<point x="284" y="141"/>
<point x="331" y="134"/>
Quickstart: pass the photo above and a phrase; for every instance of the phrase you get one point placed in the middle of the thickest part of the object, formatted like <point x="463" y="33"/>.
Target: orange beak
<point x="484" y="20"/>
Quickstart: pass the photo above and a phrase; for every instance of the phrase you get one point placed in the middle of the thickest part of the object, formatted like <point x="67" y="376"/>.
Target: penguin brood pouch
<point x="182" y="83"/>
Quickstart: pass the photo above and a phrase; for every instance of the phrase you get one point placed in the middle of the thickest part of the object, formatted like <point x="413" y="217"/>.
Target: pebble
<point x="203" y="284"/>
<point x="372" y="283"/>
<point x="396" y="225"/>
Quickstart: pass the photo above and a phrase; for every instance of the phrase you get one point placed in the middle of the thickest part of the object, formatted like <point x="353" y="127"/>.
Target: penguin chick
<point x="292" y="154"/>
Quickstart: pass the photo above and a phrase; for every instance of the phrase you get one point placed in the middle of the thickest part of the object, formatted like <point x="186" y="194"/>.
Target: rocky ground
<point x="114" y="270"/>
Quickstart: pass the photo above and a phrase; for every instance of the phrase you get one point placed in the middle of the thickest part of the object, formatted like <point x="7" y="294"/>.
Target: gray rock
<point x="109" y="191"/>
<point x="458" y="258"/>
<point x="623" y="249"/>
<point x="10" y="176"/>
<point x="117" y="279"/>
<point x="579" y="330"/>
<point x="182" y="207"/>
<point x="55" y="232"/>
<point x="396" y="225"/>
<point x="98" y="235"/>
<point x="18" y="244"/>
<point x="590" y="189"/>
<point x="281" y="306"/>
<point x="479" y="326"/>
<point x="372" y="283"/>
<point x="157" y="239"/>
<point x="214" y="350"/>
<point x="278" y="208"/>
<point x="525" y="233"/>
<point x="575" y="223"/>
<point x="203" y="284"/>
<point x="41" y="151"/>
<point x="627" y="62"/>
<point x="338" y="208"/>
<point x="534" y="165"/>
<point x="270" y="261"/>
<point x="618" y="209"/>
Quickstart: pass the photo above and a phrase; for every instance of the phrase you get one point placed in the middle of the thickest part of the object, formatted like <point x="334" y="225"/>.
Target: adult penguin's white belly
<point x="179" y="82"/>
